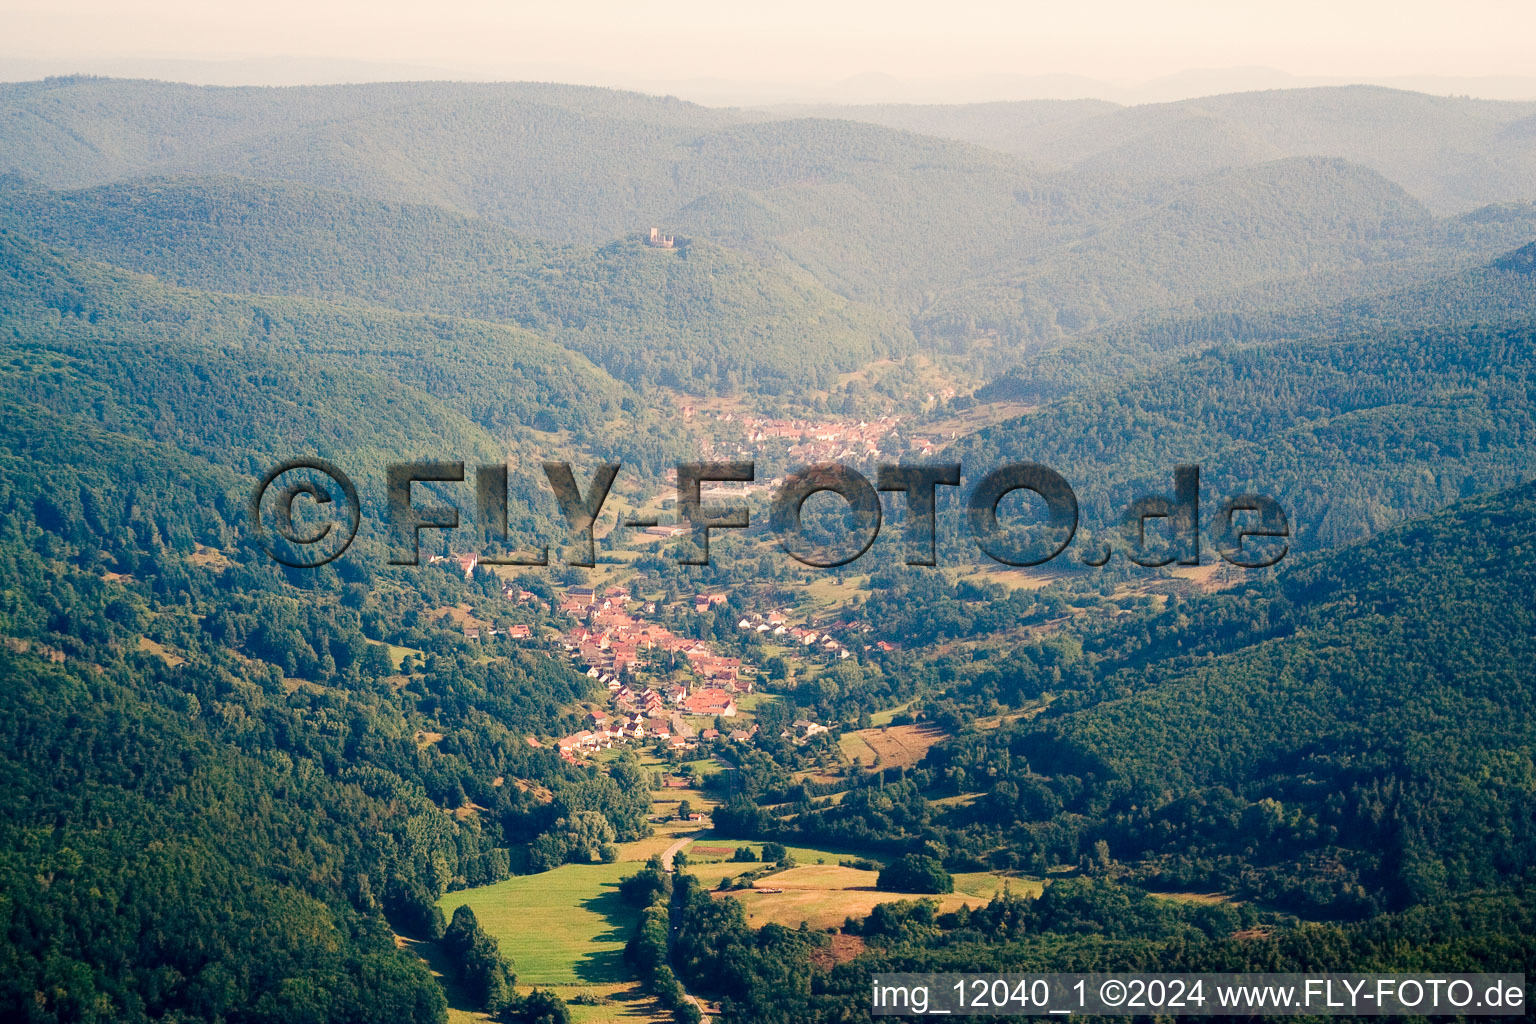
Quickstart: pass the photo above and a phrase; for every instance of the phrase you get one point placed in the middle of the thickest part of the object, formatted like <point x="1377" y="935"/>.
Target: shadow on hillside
<point x="436" y="960"/>
<point x="607" y="965"/>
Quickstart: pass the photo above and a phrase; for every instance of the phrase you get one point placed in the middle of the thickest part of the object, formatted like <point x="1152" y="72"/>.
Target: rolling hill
<point x="698" y="316"/>
<point x="1364" y="722"/>
<point x="1266" y="190"/>
<point x="1350" y="431"/>
<point x="242" y="383"/>
<point x="1452" y="153"/>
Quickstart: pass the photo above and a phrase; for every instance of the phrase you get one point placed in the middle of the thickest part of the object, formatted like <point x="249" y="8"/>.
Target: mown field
<point x="565" y="930"/>
<point x="825" y="895"/>
<point x="560" y="927"/>
<point x="715" y="847"/>
<point x="890" y="746"/>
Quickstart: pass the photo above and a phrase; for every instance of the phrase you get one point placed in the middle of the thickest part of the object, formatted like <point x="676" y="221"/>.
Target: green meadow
<point x="562" y="927"/>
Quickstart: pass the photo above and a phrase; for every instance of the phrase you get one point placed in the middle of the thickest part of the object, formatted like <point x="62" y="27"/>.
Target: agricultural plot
<point x="824" y="896"/>
<point x="885" y="715"/>
<point x="563" y="927"/>
<point x="565" y="930"/>
<point x="714" y="847"/>
<point x="894" y="745"/>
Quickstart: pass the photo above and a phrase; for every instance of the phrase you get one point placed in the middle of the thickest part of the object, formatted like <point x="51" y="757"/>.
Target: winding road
<point x="682" y="841"/>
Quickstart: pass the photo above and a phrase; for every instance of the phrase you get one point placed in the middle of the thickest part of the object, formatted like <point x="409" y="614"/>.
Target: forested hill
<point x="559" y="162"/>
<point x="695" y="317"/>
<point x="1454" y="153"/>
<point x="1492" y="291"/>
<point x="565" y="162"/>
<point x="573" y="165"/>
<point x="213" y="801"/>
<point x="1358" y="736"/>
<point x="243" y="382"/>
<point x="878" y="215"/>
<point x="1303" y="222"/>
<point x="1349" y="434"/>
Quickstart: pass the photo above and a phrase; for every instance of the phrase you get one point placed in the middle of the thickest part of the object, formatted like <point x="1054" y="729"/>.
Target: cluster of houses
<point x="466" y="561"/>
<point x="811" y="440"/>
<point x="604" y="730"/>
<point x="640" y="715"/>
<point x="612" y="642"/>
<point x="818" y="639"/>
<point x="515" y="632"/>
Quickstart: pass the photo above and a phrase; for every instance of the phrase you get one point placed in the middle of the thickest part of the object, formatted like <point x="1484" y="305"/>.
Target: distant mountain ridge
<point x="1212" y="197"/>
<point x="1453" y="153"/>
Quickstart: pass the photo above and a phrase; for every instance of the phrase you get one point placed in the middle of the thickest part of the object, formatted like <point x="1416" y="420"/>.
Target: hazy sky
<point x="802" y="40"/>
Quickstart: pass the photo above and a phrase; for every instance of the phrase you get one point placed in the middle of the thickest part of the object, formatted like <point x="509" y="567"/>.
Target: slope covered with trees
<point x="697" y="317"/>
<point x="227" y="787"/>
<point x="246" y="382"/>
<point x="1357" y="735"/>
<point x="1351" y="737"/>
<point x="877" y="215"/>
<point x="1349" y="434"/>
<point x="217" y="802"/>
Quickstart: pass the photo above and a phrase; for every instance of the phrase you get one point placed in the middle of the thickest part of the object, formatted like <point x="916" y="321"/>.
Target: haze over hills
<point x="1453" y="153"/>
<point x="722" y="90"/>
<point x="878" y="215"/>
<point x="695" y="316"/>
<point x="1497" y="291"/>
<point x="1353" y="418"/>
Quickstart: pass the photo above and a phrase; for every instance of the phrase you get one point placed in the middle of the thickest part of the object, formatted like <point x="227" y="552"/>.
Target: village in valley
<point x="665" y="690"/>
<point x="805" y="441"/>
<point x="680" y="695"/>
<point x="617" y="642"/>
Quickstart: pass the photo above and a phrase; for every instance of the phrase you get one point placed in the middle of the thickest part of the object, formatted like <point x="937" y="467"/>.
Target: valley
<point x="236" y="791"/>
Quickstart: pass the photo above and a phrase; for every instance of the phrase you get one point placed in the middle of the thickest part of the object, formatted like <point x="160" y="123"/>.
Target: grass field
<point x="615" y="1002"/>
<point x="959" y="800"/>
<point x="397" y="654"/>
<point x="824" y="896"/>
<point x="825" y="592"/>
<point x="712" y="865"/>
<point x="884" y="717"/>
<point x="804" y="855"/>
<point x="983" y="885"/>
<point x="1200" y="898"/>
<point x="565" y="930"/>
<point x="752" y="701"/>
<point x="855" y="747"/>
<point x="162" y="652"/>
<point x="664" y="803"/>
<point x="562" y="927"/>
<point x="893" y="745"/>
